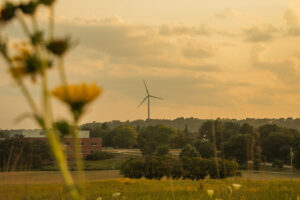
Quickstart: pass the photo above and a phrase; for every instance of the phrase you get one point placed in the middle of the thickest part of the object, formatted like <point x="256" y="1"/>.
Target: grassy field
<point x="161" y="190"/>
<point x="108" y="164"/>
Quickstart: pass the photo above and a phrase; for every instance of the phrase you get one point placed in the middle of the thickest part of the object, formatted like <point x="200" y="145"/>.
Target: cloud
<point x="261" y="33"/>
<point x="292" y="20"/>
<point x="168" y="30"/>
<point x="284" y="70"/>
<point x="227" y="14"/>
<point x="142" y="45"/>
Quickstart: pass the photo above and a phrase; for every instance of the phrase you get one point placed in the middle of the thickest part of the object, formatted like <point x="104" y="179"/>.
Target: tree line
<point x="214" y="138"/>
<point x="195" y="123"/>
<point x="16" y="153"/>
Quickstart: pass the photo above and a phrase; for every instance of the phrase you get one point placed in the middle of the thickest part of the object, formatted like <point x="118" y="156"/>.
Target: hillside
<point x="194" y="124"/>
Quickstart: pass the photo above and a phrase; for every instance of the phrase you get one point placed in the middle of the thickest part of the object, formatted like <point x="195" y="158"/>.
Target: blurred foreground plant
<point x="34" y="57"/>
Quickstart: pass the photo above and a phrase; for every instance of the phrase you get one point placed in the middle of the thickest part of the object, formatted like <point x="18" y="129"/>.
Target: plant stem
<point x="51" y="23"/>
<point x="78" y="157"/>
<point x="24" y="26"/>
<point x="62" y="72"/>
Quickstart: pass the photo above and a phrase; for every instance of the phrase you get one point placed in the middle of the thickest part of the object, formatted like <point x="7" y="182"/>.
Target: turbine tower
<point x="148" y="97"/>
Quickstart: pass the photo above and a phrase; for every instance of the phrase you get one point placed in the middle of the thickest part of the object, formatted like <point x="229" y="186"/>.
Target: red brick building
<point x="88" y="145"/>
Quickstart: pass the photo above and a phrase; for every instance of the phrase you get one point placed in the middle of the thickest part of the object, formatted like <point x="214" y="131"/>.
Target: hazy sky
<point x="207" y="59"/>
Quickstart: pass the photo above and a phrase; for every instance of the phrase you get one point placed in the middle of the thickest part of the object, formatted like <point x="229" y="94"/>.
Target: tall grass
<point x="162" y="190"/>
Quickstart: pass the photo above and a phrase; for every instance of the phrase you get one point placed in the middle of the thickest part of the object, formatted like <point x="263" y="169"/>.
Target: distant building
<point x="88" y="145"/>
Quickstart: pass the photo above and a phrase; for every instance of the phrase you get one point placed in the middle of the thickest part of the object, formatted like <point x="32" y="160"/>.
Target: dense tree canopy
<point x="152" y="136"/>
<point x="124" y="137"/>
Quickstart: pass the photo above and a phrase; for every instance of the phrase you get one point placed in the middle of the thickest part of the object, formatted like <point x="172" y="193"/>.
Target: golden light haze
<point x="207" y="59"/>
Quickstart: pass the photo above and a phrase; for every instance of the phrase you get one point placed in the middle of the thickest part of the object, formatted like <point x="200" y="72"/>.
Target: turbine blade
<point x="142" y="101"/>
<point x="156" y="97"/>
<point x="146" y="87"/>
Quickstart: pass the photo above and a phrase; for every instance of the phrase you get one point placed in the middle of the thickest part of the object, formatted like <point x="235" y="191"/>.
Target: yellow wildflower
<point x="298" y="197"/>
<point x="17" y="72"/>
<point x="236" y="186"/>
<point x="116" y="195"/>
<point x="77" y="96"/>
<point x="210" y="193"/>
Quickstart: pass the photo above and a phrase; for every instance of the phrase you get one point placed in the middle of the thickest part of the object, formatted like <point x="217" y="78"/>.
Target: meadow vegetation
<point x="136" y="189"/>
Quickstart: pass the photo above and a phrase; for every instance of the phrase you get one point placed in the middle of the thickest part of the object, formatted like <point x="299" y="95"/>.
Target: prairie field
<point x="47" y="185"/>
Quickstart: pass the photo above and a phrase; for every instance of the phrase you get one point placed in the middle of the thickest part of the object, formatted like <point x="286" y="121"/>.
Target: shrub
<point x="162" y="150"/>
<point x="188" y="151"/>
<point x="226" y="168"/>
<point x="297" y="158"/>
<point x="205" y="149"/>
<point x="99" y="155"/>
<point x="154" y="168"/>
<point x="195" y="168"/>
<point x="133" y="168"/>
<point x="277" y="163"/>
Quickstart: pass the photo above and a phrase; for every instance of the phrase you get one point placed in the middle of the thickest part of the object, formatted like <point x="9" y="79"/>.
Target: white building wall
<point x="37" y="133"/>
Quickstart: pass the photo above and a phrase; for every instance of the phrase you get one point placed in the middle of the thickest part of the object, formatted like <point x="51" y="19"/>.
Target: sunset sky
<point x="207" y="59"/>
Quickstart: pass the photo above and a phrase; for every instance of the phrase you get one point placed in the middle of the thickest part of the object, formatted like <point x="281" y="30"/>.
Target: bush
<point x="188" y="151"/>
<point x="297" y="158"/>
<point x="154" y="167"/>
<point x="205" y="149"/>
<point x="162" y="150"/>
<point x="277" y="163"/>
<point x="195" y="168"/>
<point x="99" y="155"/>
<point x="226" y="168"/>
<point x="133" y="168"/>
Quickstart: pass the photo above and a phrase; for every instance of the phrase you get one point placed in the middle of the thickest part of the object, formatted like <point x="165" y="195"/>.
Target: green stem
<point x="78" y="157"/>
<point x="62" y="164"/>
<point x="51" y="23"/>
<point x="24" y="25"/>
<point x="55" y="142"/>
<point x="62" y="72"/>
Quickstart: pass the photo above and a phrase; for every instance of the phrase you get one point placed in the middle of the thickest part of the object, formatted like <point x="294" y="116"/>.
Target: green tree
<point x="296" y="157"/>
<point x="152" y="136"/>
<point x="223" y="131"/>
<point x="205" y="148"/>
<point x="162" y="150"/>
<point x="188" y="151"/>
<point x="181" y="138"/>
<point x="276" y="146"/>
<point x="125" y="137"/>
<point x="238" y="148"/>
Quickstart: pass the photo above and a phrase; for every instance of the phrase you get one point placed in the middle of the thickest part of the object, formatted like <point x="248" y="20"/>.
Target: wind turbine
<point x="148" y="97"/>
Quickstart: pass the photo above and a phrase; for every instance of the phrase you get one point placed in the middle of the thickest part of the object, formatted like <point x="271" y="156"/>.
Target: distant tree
<point x="3" y="134"/>
<point x="238" y="148"/>
<point x="296" y="157"/>
<point x="16" y="153"/>
<point x="205" y="148"/>
<point x="100" y="130"/>
<point x="188" y="151"/>
<point x="276" y="163"/>
<point x="125" y="137"/>
<point x="152" y="136"/>
<point x="276" y="146"/>
<point x="223" y="131"/>
<point x="267" y="129"/>
<point x="186" y="129"/>
<point x="180" y="139"/>
<point x="246" y="129"/>
<point x="99" y="155"/>
<point x="162" y="150"/>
